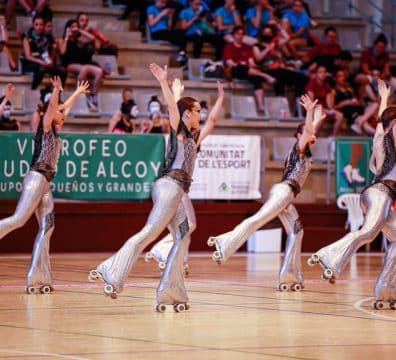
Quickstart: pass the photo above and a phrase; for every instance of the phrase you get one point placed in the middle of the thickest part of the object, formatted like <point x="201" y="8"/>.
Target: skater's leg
<point x="39" y="272"/>
<point x="167" y="196"/>
<point x="34" y="186"/>
<point x="290" y="272"/>
<point x="171" y="289"/>
<point x="227" y="244"/>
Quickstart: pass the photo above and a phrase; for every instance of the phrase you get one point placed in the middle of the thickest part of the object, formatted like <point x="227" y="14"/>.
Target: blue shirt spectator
<point x="227" y="17"/>
<point x="163" y="23"/>
<point x="195" y="28"/>
<point x="251" y="13"/>
<point x="298" y="21"/>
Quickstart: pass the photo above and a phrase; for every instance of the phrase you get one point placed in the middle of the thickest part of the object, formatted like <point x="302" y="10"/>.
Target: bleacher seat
<point x="323" y="149"/>
<point x="109" y="103"/>
<point x="277" y="107"/>
<point x="23" y="24"/>
<point x="151" y="41"/>
<point x="244" y="108"/>
<point x="142" y="99"/>
<point x="80" y="109"/>
<point x="17" y="101"/>
<point x="194" y="72"/>
<point x="106" y="25"/>
<point x="281" y="147"/>
<point x="111" y="62"/>
<point x="31" y="100"/>
<point x="5" y="68"/>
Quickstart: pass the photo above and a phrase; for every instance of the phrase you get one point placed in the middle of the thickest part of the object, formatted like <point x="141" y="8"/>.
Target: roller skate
<point x="35" y="289"/>
<point x="179" y="307"/>
<point x="328" y="274"/>
<point x="384" y="297"/>
<point x="174" y="295"/>
<point x="290" y="281"/>
<point x="109" y="289"/>
<point x="216" y="256"/>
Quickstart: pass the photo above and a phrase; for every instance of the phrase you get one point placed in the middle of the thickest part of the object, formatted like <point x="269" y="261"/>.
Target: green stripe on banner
<point x="91" y="166"/>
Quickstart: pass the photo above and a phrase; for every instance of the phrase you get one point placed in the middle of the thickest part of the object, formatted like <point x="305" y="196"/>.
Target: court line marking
<point x="12" y="351"/>
<point x="358" y="306"/>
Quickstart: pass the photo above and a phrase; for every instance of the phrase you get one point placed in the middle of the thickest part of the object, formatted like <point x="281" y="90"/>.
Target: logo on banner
<point x="223" y="187"/>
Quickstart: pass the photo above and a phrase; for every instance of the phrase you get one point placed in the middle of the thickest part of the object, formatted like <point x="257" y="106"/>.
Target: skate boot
<point x="328" y="274"/>
<point x="385" y="296"/>
<point x="109" y="288"/>
<point x="291" y="281"/>
<point x="173" y="295"/>
<point x="39" y="280"/>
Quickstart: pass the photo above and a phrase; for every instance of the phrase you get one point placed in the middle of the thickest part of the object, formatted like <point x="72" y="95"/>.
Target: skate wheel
<point x="94" y="275"/>
<point x="186" y="269"/>
<point x="379" y="305"/>
<point x="217" y="257"/>
<point x="283" y="287"/>
<point x="392" y="305"/>
<point x="110" y="291"/>
<point x="30" y="290"/>
<point x="46" y="289"/>
<point x="328" y="274"/>
<point x="297" y="287"/>
<point x="310" y="262"/>
<point x="161" y="265"/>
<point x="315" y="258"/>
<point x="149" y="256"/>
<point x="211" y="241"/>
<point x="160" y="308"/>
<point x="187" y="307"/>
<point x="179" y="307"/>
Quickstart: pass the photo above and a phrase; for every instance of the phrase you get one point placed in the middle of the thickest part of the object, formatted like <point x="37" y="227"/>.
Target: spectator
<point x="318" y="88"/>
<point x="123" y="121"/>
<point x="6" y="123"/>
<point x="192" y="22"/>
<point x="39" y="55"/>
<point x="160" y="20"/>
<point x="268" y="54"/>
<point x="4" y="45"/>
<point x="238" y="59"/>
<point x="325" y="52"/>
<point x="227" y="18"/>
<point x="258" y="16"/>
<point x="356" y="112"/>
<point x="155" y="124"/>
<point x="296" y="22"/>
<point x="204" y="111"/>
<point x="105" y="47"/>
<point x="31" y="7"/>
<point x="141" y="7"/>
<point x="376" y="58"/>
<point x="76" y="49"/>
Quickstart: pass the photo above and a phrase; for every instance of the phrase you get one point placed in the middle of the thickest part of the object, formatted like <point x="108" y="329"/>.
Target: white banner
<point x="228" y="167"/>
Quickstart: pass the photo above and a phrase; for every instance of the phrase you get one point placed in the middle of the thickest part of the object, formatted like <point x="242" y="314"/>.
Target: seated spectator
<point x="76" y="49"/>
<point x="6" y="123"/>
<point x="238" y="59"/>
<point x="193" y="20"/>
<point x="123" y="121"/>
<point x="376" y="58"/>
<point x="296" y="22"/>
<point x="31" y="7"/>
<point x="268" y="54"/>
<point x="105" y="47"/>
<point x="39" y="55"/>
<point x="356" y="111"/>
<point x="160" y="20"/>
<point x="258" y="16"/>
<point x="325" y="52"/>
<point x="4" y="45"/>
<point x="155" y="124"/>
<point x="227" y="18"/>
<point x="141" y="7"/>
<point x="318" y="88"/>
<point x="204" y="112"/>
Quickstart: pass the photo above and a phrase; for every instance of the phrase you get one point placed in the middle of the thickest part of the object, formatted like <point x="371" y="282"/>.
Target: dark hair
<point x="381" y="38"/>
<point x="38" y="16"/>
<point x="388" y="116"/>
<point x="125" y="90"/>
<point x="185" y="103"/>
<point x="345" y="55"/>
<point x="329" y="29"/>
<point x="237" y="28"/>
<point x="204" y="104"/>
<point x="69" y="24"/>
<point x="299" y="129"/>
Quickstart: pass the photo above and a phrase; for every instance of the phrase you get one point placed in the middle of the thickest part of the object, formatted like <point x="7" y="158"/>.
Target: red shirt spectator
<point x="320" y="90"/>
<point x="376" y="58"/>
<point x="238" y="54"/>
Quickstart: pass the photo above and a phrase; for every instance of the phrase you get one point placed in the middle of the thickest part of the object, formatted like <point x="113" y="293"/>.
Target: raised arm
<point x="177" y="89"/>
<point x="308" y="135"/>
<point x="53" y="103"/>
<point x="214" y="114"/>
<point x="82" y="88"/>
<point x="161" y="74"/>
<point x="7" y="97"/>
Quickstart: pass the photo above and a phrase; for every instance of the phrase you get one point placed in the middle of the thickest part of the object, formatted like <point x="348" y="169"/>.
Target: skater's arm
<point x="7" y="97"/>
<point x="214" y="114"/>
<point x="82" y="88"/>
<point x="308" y="135"/>
<point x="53" y="103"/>
<point x="161" y="74"/>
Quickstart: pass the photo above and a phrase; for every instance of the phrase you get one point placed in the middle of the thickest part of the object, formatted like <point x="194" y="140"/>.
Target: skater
<point x="297" y="167"/>
<point x="168" y="209"/>
<point x="36" y="193"/>
<point x="376" y="202"/>
<point x="159" y="252"/>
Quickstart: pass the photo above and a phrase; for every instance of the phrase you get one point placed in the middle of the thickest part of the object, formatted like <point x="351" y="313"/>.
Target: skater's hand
<point x="57" y="83"/>
<point x="177" y="88"/>
<point x="307" y="103"/>
<point x="319" y="116"/>
<point x="82" y="87"/>
<point x="161" y="74"/>
<point x="220" y="89"/>
<point x="383" y="90"/>
<point x="10" y="89"/>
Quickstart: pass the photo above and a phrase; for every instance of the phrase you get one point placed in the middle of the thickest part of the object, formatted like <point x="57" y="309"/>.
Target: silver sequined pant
<point x="376" y="206"/>
<point x="278" y="204"/>
<point x="35" y="197"/>
<point x="168" y="210"/>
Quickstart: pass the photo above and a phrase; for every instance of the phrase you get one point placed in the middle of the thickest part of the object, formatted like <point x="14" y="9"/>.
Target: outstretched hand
<point x="82" y="87"/>
<point x="161" y="74"/>
<point x="57" y="83"/>
<point x="10" y="89"/>
<point x="383" y="90"/>
<point x="307" y="103"/>
<point x="177" y="88"/>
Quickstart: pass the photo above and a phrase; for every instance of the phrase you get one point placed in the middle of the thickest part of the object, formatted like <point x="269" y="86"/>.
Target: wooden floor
<point x="236" y="313"/>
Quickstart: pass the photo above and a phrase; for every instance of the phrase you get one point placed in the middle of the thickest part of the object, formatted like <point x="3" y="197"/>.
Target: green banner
<point x="91" y="166"/>
<point x="352" y="164"/>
